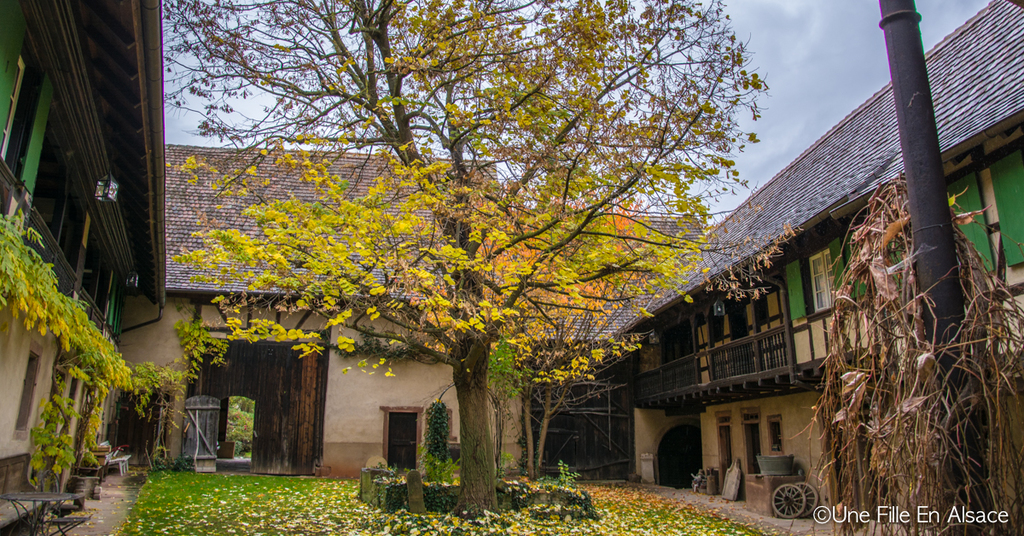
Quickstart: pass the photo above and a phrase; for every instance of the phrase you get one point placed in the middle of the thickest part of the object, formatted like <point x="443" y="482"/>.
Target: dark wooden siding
<point x="135" y="430"/>
<point x="595" y="438"/>
<point x="290" y="394"/>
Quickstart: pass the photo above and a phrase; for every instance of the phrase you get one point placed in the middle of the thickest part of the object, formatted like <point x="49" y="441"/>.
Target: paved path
<point x="737" y="511"/>
<point x="117" y="496"/>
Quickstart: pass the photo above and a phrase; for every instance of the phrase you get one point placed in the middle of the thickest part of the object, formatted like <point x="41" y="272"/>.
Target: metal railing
<point x="750" y="355"/>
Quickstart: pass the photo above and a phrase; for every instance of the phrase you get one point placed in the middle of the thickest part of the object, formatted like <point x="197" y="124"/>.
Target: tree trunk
<point x="477" y="470"/>
<point x="531" y="467"/>
<point x="544" y="422"/>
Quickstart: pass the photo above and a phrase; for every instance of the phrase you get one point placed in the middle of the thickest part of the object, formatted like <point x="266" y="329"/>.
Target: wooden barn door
<point x="289" y="394"/>
<point x="594" y="436"/>
<point x="288" y="428"/>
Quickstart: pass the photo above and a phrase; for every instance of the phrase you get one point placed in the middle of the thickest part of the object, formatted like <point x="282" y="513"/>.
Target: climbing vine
<point x="197" y="344"/>
<point x="28" y="287"/>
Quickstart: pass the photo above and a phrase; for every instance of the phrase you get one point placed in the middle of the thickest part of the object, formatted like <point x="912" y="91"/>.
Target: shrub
<point x="180" y="464"/>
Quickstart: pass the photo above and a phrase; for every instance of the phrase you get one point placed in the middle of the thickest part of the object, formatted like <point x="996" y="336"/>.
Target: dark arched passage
<point x="679" y="456"/>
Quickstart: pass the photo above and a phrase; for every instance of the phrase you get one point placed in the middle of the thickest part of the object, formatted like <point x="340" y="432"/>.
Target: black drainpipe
<point x="938" y="271"/>
<point x="159" y="316"/>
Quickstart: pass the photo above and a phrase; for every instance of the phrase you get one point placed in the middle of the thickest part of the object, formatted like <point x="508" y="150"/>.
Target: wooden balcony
<point x="67" y="280"/>
<point x="746" y="368"/>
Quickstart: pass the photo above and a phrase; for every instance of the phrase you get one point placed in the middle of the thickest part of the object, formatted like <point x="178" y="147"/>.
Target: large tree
<point x="533" y="148"/>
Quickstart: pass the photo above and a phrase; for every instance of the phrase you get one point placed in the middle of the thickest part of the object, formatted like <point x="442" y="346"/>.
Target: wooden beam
<point x="102" y="21"/>
<point x="110" y="51"/>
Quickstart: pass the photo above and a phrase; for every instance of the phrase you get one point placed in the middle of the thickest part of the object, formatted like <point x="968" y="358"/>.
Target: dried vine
<point x="888" y="415"/>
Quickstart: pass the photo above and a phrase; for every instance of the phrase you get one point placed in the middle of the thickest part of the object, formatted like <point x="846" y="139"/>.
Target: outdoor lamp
<point x="106" y="188"/>
<point x="718" y="308"/>
<point x="132" y="282"/>
<point x="653" y="338"/>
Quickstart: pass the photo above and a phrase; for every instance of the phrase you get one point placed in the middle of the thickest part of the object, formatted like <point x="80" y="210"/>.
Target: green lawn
<point x="189" y="504"/>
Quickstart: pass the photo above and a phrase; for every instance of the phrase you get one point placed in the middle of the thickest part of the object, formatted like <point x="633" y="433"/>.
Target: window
<point x="821" y="280"/>
<point x="27" y="393"/>
<point x="5" y="138"/>
<point x="775" y="433"/>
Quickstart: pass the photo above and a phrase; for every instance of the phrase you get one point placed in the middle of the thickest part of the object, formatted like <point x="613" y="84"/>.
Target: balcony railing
<point x="66" y="276"/>
<point x="51" y="253"/>
<point x="750" y="355"/>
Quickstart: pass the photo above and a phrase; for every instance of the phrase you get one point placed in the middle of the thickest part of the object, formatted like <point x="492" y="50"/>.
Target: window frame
<point x="774" y="441"/>
<point x="5" y="134"/>
<point x="824" y="261"/>
<point x="28" y="392"/>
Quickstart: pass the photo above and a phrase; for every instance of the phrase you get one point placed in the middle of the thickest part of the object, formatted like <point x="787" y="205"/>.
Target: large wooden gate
<point x="290" y="394"/>
<point x="594" y="437"/>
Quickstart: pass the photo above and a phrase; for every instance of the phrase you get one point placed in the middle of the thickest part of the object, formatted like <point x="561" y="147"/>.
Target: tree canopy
<point x="543" y="158"/>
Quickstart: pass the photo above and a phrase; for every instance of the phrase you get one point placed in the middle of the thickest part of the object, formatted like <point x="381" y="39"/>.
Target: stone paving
<point x="736" y="510"/>
<point x="117" y="495"/>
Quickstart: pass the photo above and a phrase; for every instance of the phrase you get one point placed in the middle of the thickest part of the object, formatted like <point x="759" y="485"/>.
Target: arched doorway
<point x="679" y="456"/>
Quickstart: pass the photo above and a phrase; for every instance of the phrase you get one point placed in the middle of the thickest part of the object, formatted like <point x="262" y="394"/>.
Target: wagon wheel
<point x="788" y="501"/>
<point x="811" y="496"/>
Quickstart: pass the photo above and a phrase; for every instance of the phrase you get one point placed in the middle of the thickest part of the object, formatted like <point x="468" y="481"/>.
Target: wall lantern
<point x="106" y="188"/>
<point x="653" y="338"/>
<point x="132" y="282"/>
<point x="718" y="308"/>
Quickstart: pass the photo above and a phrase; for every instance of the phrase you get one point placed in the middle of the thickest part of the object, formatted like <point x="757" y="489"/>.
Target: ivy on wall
<point x="28" y="288"/>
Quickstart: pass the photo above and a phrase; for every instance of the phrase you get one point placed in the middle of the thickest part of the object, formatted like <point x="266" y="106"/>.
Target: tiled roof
<point x="977" y="80"/>
<point x="191" y="204"/>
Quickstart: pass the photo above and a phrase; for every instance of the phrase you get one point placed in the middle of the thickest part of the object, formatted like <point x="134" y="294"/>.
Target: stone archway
<point x="679" y="456"/>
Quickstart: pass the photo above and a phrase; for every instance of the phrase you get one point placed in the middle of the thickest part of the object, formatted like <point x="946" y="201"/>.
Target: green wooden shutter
<point x="35" y="142"/>
<point x="1008" y="185"/>
<point x="795" y="289"/>
<point x="11" y="37"/>
<point x="969" y="200"/>
<point x="835" y="250"/>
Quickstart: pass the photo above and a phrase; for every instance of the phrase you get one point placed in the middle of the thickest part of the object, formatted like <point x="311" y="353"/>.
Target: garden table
<point x="35" y="508"/>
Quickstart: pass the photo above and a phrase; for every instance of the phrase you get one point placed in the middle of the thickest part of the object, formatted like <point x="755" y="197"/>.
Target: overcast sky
<point x="820" y="58"/>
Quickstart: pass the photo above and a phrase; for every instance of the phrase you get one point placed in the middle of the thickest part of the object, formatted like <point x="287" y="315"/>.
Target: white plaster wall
<point x="650" y="425"/>
<point x="800" y="436"/>
<point x="15" y="344"/>
<point x="354" y="420"/>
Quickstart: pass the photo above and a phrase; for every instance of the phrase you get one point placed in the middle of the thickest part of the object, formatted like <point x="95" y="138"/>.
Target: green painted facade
<point x="35" y="145"/>
<point x="11" y="37"/>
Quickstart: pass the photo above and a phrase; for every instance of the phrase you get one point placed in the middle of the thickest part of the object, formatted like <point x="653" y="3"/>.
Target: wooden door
<point x="402" y="440"/>
<point x="201" y="416"/>
<point x="724" y="449"/>
<point x="752" y="433"/>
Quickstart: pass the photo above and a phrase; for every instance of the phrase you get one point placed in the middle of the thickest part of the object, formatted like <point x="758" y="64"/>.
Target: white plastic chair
<point x="120" y="460"/>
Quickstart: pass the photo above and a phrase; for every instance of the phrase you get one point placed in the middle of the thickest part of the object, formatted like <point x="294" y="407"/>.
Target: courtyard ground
<point x="195" y="505"/>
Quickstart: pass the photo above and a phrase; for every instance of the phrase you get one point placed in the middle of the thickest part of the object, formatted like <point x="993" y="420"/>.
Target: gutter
<point x="159" y="317"/>
<point x="152" y="41"/>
